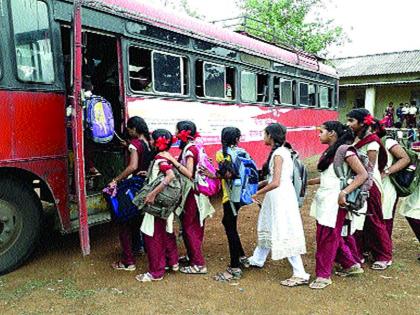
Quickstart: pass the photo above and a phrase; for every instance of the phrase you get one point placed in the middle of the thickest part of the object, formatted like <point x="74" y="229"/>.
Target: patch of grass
<point x="23" y="290"/>
<point x="399" y="266"/>
<point x="69" y="290"/>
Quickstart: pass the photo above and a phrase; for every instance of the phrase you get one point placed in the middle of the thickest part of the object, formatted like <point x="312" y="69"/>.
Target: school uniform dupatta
<point x="382" y="156"/>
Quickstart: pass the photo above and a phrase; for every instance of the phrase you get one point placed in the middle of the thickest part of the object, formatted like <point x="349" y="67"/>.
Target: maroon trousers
<point x="390" y="222"/>
<point x="161" y="249"/>
<point x="192" y="232"/>
<point x="375" y="236"/>
<point x="331" y="247"/>
<point x="415" y="226"/>
<point x="126" y="232"/>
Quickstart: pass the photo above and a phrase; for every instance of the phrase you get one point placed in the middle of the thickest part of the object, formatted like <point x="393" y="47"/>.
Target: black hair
<point x="165" y="134"/>
<point x="277" y="132"/>
<point x="139" y="125"/>
<point x="230" y="137"/>
<point x="379" y="129"/>
<point x="345" y="135"/>
<point x="188" y="126"/>
<point x="360" y="114"/>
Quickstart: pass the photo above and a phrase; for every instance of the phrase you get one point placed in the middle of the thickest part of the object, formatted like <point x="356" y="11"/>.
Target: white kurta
<point x="389" y="192"/>
<point x="410" y="206"/>
<point x="280" y="226"/>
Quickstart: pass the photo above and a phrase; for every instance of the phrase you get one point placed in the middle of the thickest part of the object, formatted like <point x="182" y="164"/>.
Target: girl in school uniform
<point x="197" y="206"/>
<point x="140" y="157"/>
<point x="230" y="140"/>
<point x="280" y="228"/>
<point x="372" y="234"/>
<point x="158" y="234"/>
<point x="397" y="159"/>
<point x="328" y="206"/>
<point x="410" y="209"/>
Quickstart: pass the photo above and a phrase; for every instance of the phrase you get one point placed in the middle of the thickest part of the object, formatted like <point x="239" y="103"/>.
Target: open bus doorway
<point x="100" y="75"/>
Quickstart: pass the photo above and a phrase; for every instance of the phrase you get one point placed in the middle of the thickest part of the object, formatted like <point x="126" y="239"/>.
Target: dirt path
<point x="59" y="281"/>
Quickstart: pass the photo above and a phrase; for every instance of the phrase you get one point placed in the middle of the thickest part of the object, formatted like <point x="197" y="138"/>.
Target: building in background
<point x="373" y="81"/>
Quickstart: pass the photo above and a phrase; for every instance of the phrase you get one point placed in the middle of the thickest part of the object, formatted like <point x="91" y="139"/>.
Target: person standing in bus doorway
<point x="328" y="206"/>
<point x="159" y="237"/>
<point x="140" y="158"/>
<point x="374" y="237"/>
<point x="197" y="206"/>
<point x="397" y="159"/>
<point x="280" y="228"/>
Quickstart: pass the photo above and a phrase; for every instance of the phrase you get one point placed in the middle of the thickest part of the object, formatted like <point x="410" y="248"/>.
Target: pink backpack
<point x="203" y="184"/>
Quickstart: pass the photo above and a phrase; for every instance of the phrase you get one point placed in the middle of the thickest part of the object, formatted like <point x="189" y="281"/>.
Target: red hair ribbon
<point x="368" y="120"/>
<point x="184" y="135"/>
<point x="161" y="143"/>
<point x="174" y="139"/>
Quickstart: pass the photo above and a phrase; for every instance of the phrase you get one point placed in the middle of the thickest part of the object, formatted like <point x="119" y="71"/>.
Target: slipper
<point x="320" y="283"/>
<point x="381" y="265"/>
<point x="119" y="265"/>
<point x="172" y="268"/>
<point x="244" y="261"/>
<point x="352" y="271"/>
<point x="147" y="277"/>
<point x="194" y="270"/>
<point x="294" y="282"/>
<point x="228" y="275"/>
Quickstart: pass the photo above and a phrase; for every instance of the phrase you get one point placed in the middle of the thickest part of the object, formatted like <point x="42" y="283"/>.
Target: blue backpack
<point x="246" y="182"/>
<point x="99" y="119"/>
<point x="121" y="205"/>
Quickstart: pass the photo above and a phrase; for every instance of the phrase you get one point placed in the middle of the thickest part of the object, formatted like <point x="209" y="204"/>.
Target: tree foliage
<point x="292" y="22"/>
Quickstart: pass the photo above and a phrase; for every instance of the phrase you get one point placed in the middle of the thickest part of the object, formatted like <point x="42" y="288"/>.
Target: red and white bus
<point x="146" y="62"/>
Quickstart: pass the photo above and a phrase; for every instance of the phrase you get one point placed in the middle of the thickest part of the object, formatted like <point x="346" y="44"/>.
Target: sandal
<point x="381" y="265"/>
<point x="244" y="261"/>
<point x="320" y="283"/>
<point x="294" y="282"/>
<point x="194" y="270"/>
<point x="228" y="275"/>
<point x="352" y="271"/>
<point x="184" y="260"/>
<point x="172" y="268"/>
<point x="147" y="277"/>
<point x="119" y="265"/>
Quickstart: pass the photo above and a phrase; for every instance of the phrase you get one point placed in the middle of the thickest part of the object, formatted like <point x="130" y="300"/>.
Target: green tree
<point x="292" y="22"/>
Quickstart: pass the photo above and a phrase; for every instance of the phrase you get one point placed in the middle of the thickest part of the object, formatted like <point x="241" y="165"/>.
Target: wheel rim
<point x="10" y="225"/>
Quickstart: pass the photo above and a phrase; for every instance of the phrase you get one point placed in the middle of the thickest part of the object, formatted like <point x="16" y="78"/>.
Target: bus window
<point x="262" y="87"/>
<point x="312" y="94"/>
<point x="323" y="97"/>
<point x="140" y="71"/>
<point x="304" y="94"/>
<point x="168" y="73"/>
<point x="276" y="92"/>
<point x="214" y="80"/>
<point x="286" y="92"/>
<point x="248" y="86"/>
<point x="330" y="97"/>
<point x="32" y="35"/>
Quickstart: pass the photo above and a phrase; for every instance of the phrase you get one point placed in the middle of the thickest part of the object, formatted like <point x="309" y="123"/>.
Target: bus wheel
<point x="20" y="223"/>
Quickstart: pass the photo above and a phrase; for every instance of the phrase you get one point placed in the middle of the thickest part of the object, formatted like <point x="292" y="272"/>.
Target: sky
<point x="373" y="26"/>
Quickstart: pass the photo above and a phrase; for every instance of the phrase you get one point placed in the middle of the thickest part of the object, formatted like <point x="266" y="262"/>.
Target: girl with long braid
<point x="372" y="234"/>
<point x="328" y="206"/>
<point x="280" y="228"/>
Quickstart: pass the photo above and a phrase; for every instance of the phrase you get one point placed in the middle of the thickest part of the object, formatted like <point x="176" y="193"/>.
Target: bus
<point x="145" y="61"/>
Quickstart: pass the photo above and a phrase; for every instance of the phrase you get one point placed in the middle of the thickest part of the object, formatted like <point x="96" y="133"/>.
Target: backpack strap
<point x="338" y="163"/>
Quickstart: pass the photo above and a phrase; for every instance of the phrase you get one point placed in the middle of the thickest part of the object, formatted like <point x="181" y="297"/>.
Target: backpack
<point x="357" y="198"/>
<point x="99" y="119"/>
<point x="167" y="200"/>
<point x="300" y="177"/>
<point x="245" y="183"/>
<point x="407" y="180"/>
<point x="203" y="184"/>
<point x="121" y="203"/>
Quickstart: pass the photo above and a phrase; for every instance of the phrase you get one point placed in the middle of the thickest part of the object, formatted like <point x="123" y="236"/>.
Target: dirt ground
<point x="58" y="280"/>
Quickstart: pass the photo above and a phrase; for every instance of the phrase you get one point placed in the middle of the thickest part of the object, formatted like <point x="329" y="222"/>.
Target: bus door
<point x="77" y="129"/>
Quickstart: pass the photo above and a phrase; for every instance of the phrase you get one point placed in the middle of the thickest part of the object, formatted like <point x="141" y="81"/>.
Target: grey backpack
<point x="300" y="176"/>
<point x="357" y="198"/>
<point x="168" y="200"/>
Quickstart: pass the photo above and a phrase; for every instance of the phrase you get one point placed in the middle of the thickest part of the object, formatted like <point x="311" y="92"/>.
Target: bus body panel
<point x="210" y="119"/>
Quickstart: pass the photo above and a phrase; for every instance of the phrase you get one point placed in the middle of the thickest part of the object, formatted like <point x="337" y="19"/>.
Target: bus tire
<point x="20" y="223"/>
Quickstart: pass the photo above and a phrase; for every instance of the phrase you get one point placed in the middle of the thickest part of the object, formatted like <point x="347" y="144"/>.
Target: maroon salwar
<point x="161" y="249"/>
<point x="415" y="226"/>
<point x="330" y="247"/>
<point x="192" y="231"/>
<point x="126" y="231"/>
<point x="375" y="237"/>
<point x="390" y="222"/>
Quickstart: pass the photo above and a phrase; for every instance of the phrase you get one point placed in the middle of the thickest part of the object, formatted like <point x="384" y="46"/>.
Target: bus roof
<point x="191" y="26"/>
